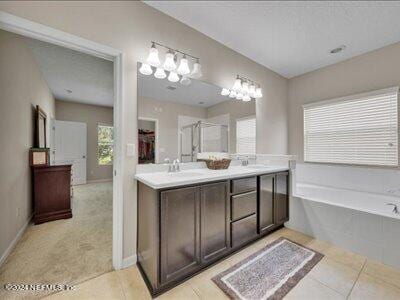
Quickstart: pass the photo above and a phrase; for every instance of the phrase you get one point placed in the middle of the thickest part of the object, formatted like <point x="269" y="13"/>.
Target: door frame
<point x="24" y="27"/>
<point x="156" y="148"/>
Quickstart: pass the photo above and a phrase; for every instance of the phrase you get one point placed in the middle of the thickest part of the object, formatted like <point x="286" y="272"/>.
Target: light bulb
<point x="196" y="73"/>
<point x="245" y="88"/>
<point x="183" y="68"/>
<point x="252" y="91"/>
<point x="160" y="73"/>
<point x="239" y="96"/>
<point x="246" y="98"/>
<point x="173" y="77"/>
<point x="232" y="94"/>
<point x="185" y="80"/>
<point x="225" y="92"/>
<point x="237" y="86"/>
<point x="258" y="93"/>
<point x="153" y="59"/>
<point x="145" y="69"/>
<point x="169" y="64"/>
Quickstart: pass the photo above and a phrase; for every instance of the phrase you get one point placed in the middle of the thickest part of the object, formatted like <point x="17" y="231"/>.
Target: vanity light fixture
<point x="225" y="92"/>
<point x="170" y="65"/>
<point x="196" y="73"/>
<point x="246" y="98"/>
<point x="237" y="86"/>
<point x="185" y="80"/>
<point x="243" y="89"/>
<point x="173" y="77"/>
<point x="153" y="59"/>
<point x="145" y="69"/>
<point x="160" y="73"/>
<point x="183" y="68"/>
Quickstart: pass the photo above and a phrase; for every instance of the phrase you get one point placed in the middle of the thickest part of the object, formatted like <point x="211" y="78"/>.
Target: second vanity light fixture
<point x="170" y="65"/>
<point x="243" y="89"/>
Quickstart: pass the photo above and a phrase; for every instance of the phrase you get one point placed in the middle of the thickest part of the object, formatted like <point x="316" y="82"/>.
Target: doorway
<point x="40" y="32"/>
<point x="147" y="140"/>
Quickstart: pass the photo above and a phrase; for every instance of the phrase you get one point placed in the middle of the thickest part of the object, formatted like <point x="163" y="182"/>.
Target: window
<point x="246" y="135"/>
<point x="105" y="140"/>
<point x="360" y="129"/>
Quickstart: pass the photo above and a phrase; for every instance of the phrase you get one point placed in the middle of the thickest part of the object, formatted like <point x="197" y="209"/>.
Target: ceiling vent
<point x="171" y="88"/>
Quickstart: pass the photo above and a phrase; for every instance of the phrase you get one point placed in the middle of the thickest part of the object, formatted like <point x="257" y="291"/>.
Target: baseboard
<point x="99" y="180"/>
<point x="129" y="261"/>
<point x="14" y="242"/>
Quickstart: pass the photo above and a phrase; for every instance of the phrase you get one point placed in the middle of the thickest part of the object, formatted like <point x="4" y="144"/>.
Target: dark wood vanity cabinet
<point x="282" y="197"/>
<point x="215" y="230"/>
<point x="266" y="191"/>
<point x="180" y="233"/>
<point x="273" y="200"/>
<point x="183" y="230"/>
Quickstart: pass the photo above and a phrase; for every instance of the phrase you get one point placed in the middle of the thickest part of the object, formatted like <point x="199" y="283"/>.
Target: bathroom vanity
<point x="191" y="219"/>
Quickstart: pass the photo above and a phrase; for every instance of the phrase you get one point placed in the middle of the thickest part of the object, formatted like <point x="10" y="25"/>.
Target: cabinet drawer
<point x="243" y="185"/>
<point x="243" y="205"/>
<point x="244" y="230"/>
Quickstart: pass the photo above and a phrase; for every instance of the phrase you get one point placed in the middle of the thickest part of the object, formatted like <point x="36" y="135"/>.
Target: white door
<point x="70" y="148"/>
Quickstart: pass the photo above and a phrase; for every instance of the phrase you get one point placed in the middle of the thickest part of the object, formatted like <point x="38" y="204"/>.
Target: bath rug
<point x="270" y="273"/>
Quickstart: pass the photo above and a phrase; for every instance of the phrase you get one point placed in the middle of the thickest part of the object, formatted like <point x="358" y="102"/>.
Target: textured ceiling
<point x="292" y="37"/>
<point x="89" y="78"/>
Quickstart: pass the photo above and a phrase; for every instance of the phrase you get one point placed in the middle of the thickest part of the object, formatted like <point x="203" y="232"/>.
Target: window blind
<point x="246" y="135"/>
<point x="361" y="129"/>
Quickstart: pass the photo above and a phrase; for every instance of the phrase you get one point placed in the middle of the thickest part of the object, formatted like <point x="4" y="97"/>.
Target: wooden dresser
<point x="51" y="193"/>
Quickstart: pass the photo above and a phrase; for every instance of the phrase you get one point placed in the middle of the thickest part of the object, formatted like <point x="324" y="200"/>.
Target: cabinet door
<point x="282" y="198"/>
<point x="215" y="209"/>
<point x="266" y="194"/>
<point x="180" y="233"/>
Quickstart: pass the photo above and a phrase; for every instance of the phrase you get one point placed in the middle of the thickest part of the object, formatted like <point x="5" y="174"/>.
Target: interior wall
<point x="371" y="71"/>
<point x="130" y="27"/>
<point x="22" y="87"/>
<point x="92" y="115"/>
<point x="167" y="115"/>
<point x="236" y="110"/>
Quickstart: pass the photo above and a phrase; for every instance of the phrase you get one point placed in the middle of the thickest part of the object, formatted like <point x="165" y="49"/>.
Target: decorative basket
<point x="217" y="164"/>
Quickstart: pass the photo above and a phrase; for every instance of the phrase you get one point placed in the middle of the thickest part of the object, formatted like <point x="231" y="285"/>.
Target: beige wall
<point x="371" y="71"/>
<point x="236" y="110"/>
<point x="92" y="115"/>
<point x="167" y="115"/>
<point x="22" y="87"/>
<point x="130" y="26"/>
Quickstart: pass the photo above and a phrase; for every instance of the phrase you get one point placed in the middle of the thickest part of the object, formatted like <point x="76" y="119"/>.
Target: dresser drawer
<point x="243" y="185"/>
<point x="243" y="205"/>
<point x="244" y="230"/>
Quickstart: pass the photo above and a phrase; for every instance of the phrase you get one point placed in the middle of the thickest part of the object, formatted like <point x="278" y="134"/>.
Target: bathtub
<point x="354" y="220"/>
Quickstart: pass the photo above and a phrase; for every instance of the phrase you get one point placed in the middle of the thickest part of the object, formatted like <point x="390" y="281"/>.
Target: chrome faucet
<point x="245" y="161"/>
<point x="395" y="208"/>
<point x="174" y="167"/>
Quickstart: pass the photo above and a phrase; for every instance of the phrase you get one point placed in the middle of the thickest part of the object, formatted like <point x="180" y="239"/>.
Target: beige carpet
<point x="64" y="251"/>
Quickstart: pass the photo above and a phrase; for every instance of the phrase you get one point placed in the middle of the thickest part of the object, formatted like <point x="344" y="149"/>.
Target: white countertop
<point x="160" y="180"/>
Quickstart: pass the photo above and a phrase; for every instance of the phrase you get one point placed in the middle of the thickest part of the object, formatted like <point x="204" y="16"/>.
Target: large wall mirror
<point x="179" y="120"/>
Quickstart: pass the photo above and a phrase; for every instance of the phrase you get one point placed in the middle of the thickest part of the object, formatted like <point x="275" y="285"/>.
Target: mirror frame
<point x="40" y="114"/>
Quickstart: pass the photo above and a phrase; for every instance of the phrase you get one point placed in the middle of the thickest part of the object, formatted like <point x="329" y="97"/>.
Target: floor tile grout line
<point x="332" y="289"/>
<point x="358" y="277"/>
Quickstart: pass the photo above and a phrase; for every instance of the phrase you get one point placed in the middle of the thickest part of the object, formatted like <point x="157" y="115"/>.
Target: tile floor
<point x="339" y="275"/>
